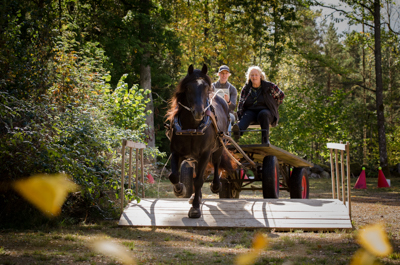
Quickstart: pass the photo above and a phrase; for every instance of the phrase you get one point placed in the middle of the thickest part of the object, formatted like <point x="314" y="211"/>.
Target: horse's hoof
<point x="215" y="189"/>
<point x="181" y="191"/>
<point x="191" y="199"/>
<point x="194" y="213"/>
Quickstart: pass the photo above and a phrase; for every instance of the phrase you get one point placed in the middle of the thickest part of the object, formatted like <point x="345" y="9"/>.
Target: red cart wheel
<point x="298" y="184"/>
<point x="270" y="177"/>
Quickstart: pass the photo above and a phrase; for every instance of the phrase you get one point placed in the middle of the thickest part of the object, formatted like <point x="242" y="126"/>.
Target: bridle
<point x="205" y="122"/>
<point x="208" y="103"/>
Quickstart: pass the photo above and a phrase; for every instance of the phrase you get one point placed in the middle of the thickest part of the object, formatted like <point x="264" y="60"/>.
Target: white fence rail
<point x="340" y="188"/>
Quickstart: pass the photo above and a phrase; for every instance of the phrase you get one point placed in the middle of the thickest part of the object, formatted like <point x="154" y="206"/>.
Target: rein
<point x="205" y="122"/>
<point x="205" y="109"/>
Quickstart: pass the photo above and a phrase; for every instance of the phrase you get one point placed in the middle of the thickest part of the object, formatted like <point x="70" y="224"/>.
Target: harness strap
<point x="168" y="131"/>
<point x="199" y="131"/>
<point x="214" y="120"/>
<point x="209" y="118"/>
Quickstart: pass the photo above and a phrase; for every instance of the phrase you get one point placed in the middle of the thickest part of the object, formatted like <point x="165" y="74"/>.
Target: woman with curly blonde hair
<point x="258" y="103"/>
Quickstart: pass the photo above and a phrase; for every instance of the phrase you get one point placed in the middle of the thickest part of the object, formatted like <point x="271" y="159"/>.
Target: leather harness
<point x="208" y="119"/>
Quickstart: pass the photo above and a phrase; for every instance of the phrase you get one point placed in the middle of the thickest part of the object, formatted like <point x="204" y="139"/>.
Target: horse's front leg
<point x="198" y="181"/>
<point x="215" y="185"/>
<point x="179" y="188"/>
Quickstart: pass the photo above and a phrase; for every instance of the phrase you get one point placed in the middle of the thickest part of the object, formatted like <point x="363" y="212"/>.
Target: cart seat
<point x="255" y="125"/>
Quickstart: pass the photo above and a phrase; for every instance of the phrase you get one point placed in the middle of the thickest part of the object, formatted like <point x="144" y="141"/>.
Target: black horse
<point x="196" y="133"/>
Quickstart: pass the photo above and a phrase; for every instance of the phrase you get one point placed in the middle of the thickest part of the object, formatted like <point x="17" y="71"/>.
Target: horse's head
<point x="191" y="94"/>
<point x="196" y="86"/>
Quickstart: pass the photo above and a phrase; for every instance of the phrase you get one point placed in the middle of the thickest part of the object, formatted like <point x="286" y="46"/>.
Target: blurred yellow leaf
<point x="373" y="238"/>
<point x="362" y="257"/>
<point x="248" y="258"/>
<point x="114" y="250"/>
<point x="46" y="192"/>
<point x="260" y="242"/>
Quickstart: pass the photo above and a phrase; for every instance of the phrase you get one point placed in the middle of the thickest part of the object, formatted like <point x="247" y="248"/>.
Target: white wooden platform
<point x="281" y="214"/>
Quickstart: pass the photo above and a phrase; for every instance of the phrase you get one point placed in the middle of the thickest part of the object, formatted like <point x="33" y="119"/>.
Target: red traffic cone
<point x="382" y="183"/>
<point x="150" y="178"/>
<point x="361" y="181"/>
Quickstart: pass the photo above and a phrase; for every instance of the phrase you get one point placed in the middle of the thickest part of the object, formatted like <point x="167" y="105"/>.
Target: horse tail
<point x="227" y="166"/>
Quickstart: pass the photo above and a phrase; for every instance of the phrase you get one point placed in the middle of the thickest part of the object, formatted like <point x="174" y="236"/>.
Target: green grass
<point x="215" y="238"/>
<point x="69" y="237"/>
<point x="288" y="241"/>
<point x="129" y="245"/>
<point x="394" y="256"/>
<point x="79" y="258"/>
<point x="72" y="243"/>
<point x="2" y="251"/>
<point x="240" y="246"/>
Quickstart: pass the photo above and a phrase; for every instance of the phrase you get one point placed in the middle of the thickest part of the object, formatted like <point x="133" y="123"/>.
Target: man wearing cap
<point x="227" y="91"/>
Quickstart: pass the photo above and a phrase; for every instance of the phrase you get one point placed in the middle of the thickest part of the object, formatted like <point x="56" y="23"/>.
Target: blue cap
<point x="223" y="68"/>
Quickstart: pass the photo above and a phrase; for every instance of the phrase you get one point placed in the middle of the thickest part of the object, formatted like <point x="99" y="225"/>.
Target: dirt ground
<point x="73" y="244"/>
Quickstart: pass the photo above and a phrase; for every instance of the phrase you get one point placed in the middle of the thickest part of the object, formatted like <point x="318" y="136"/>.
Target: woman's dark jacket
<point x="272" y="95"/>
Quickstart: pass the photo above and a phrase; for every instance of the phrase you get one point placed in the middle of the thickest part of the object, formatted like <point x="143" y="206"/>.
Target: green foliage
<point x="74" y="141"/>
<point x="126" y="106"/>
<point x="310" y="115"/>
<point x="77" y="71"/>
<point x="72" y="127"/>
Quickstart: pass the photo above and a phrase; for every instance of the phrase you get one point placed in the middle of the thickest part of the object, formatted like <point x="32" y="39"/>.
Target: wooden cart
<point x="275" y="168"/>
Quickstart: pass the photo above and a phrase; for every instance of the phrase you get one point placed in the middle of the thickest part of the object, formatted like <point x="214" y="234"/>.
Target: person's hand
<point x="226" y="97"/>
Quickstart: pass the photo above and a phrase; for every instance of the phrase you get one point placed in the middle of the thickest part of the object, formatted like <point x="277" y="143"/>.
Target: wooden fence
<point x="139" y="155"/>
<point x="340" y="188"/>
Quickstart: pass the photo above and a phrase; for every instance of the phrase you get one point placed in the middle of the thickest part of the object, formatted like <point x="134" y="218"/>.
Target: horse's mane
<point x="180" y="92"/>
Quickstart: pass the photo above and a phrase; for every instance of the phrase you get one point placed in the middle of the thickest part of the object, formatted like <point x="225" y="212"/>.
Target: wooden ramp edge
<point x="279" y="214"/>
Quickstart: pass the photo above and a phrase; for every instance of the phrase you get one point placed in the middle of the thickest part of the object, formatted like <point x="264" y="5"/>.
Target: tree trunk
<point x="145" y="74"/>
<point x="379" y="91"/>
<point x="145" y="83"/>
<point x="364" y="97"/>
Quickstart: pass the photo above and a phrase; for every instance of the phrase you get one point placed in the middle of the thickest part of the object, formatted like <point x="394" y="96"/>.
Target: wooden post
<point x="130" y="168"/>
<point x="342" y="147"/>
<point x="142" y="167"/>
<point x="348" y="176"/>
<point x="137" y="146"/>
<point x="332" y="176"/>
<point x="137" y="172"/>
<point x="337" y="174"/>
<point x="342" y="175"/>
<point x="123" y="174"/>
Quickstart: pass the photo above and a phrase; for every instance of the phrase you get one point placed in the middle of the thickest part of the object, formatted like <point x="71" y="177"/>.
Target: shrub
<point x="75" y="127"/>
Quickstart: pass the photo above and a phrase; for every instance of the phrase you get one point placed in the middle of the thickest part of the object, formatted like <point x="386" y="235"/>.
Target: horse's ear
<point x="204" y="69"/>
<point x="190" y="70"/>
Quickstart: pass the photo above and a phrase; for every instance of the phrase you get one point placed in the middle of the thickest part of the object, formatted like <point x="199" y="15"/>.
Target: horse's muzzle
<point x="198" y="115"/>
